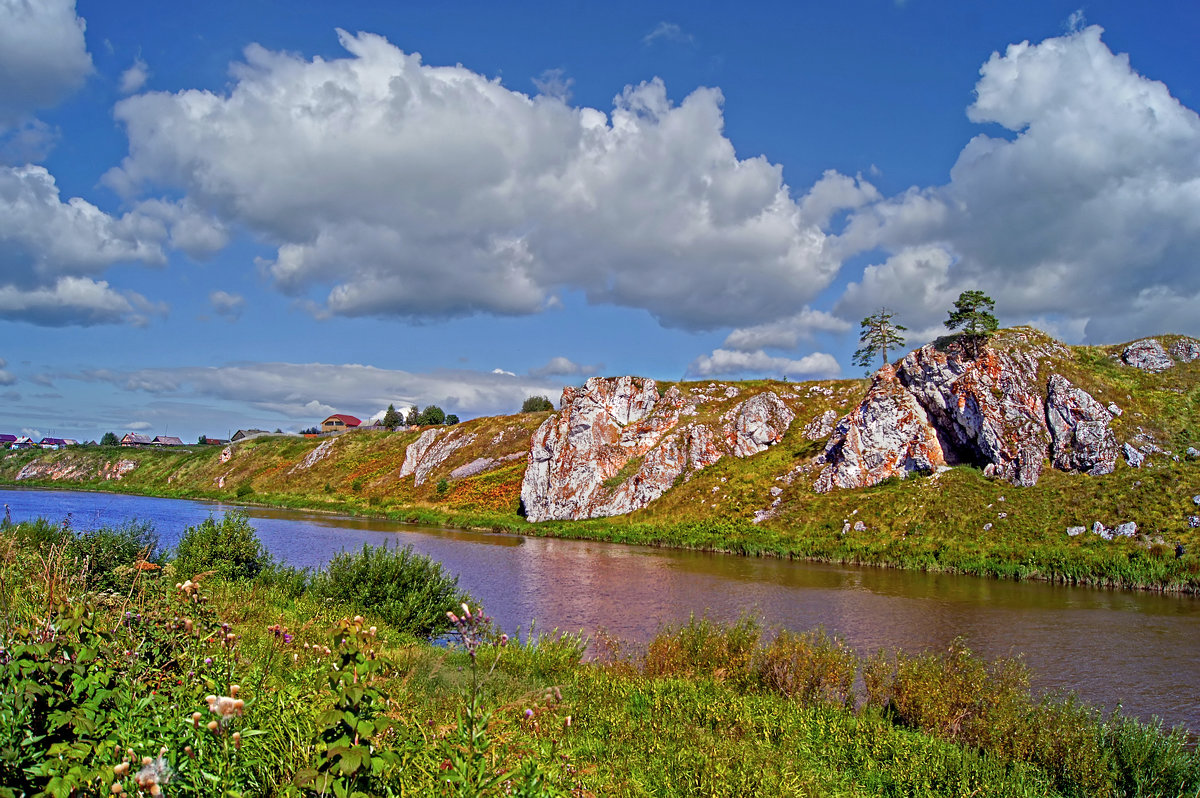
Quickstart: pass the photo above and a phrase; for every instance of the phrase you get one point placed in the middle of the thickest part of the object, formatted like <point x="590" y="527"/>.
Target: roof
<point x="8" y="438"/>
<point x="167" y="440"/>
<point x="135" y="437"/>
<point x="52" y="442"/>
<point x="349" y="421"/>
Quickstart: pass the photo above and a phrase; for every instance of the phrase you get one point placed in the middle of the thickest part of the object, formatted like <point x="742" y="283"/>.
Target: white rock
<point x="1148" y="355"/>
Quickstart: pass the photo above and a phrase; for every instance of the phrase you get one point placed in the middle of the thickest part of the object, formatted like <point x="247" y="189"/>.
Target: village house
<point x="7" y="440"/>
<point x="57" y="443"/>
<point x="166" y="440"/>
<point x="339" y="422"/>
<point x="242" y="434"/>
<point x="136" y="439"/>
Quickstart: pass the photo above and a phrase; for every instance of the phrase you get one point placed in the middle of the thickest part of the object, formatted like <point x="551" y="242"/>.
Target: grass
<point x="291" y="694"/>
<point x="957" y="521"/>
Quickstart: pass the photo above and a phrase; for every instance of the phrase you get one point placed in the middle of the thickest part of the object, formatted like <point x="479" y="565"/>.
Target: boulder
<point x="1126" y="530"/>
<point x="1148" y="355"/>
<point x="1185" y="350"/>
<point x="888" y="434"/>
<point x="1081" y="439"/>
<point x="431" y="450"/>
<point x="1194" y="521"/>
<point x="757" y="423"/>
<point x="821" y="426"/>
<point x="1134" y="457"/>
<point x="1075" y="531"/>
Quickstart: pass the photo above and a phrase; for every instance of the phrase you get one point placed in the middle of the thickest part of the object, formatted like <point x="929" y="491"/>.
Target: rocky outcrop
<point x="75" y="470"/>
<point x="312" y="458"/>
<point x="821" y="426"/>
<point x="430" y="450"/>
<point x="1185" y="350"/>
<point x="617" y="444"/>
<point x="888" y="434"/>
<point x="988" y="411"/>
<point x="1081" y="438"/>
<point x="1148" y="355"/>
<point x="939" y="405"/>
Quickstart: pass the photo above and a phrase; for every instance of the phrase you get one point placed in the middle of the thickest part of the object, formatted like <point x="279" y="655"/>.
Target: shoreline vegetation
<point x="213" y="670"/>
<point x="1029" y="554"/>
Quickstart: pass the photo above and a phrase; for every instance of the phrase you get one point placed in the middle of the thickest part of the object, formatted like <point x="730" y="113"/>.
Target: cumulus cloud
<point x="188" y="229"/>
<point x="133" y="78"/>
<point x="725" y="362"/>
<point x="307" y="391"/>
<point x="228" y="305"/>
<point x="394" y="188"/>
<point x="1088" y="213"/>
<point x="785" y="333"/>
<point x="49" y="250"/>
<point x="564" y="367"/>
<point x="43" y="56"/>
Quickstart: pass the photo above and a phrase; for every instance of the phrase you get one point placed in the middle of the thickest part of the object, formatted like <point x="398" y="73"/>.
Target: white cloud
<point x="502" y="371"/>
<point x="133" y="78"/>
<point x="564" y="367"/>
<point x="76" y="301"/>
<point x="43" y="56"/>
<point x="554" y="83"/>
<point x="139" y="425"/>
<point x="730" y="362"/>
<point x="668" y="31"/>
<point x="6" y="377"/>
<point x="228" y="305"/>
<point x="49" y="250"/>
<point x="1089" y="211"/>
<point x="188" y="229"/>
<point x="392" y="188"/>
<point x="785" y="333"/>
<point x="308" y="391"/>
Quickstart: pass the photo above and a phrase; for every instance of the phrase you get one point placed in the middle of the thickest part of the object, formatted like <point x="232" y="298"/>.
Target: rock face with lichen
<point x="940" y="406"/>
<point x="69" y="469"/>
<point x="432" y="449"/>
<point x="618" y="444"/>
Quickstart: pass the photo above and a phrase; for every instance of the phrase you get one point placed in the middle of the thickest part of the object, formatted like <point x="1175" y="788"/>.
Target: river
<point x="1137" y="650"/>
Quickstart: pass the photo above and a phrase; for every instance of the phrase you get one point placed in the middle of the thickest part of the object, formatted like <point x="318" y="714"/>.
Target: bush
<point x="409" y="591"/>
<point x="110" y="554"/>
<point x="811" y="668"/>
<point x="537" y="404"/>
<point x="704" y="648"/>
<point x="244" y="490"/>
<point x="230" y="549"/>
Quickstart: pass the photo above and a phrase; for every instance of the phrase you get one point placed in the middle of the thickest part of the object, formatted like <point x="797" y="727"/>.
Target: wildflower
<point x="237" y="740"/>
<point x="121" y="769"/>
<point x="528" y="714"/>
<point x="154" y="773"/>
<point x="208" y="660"/>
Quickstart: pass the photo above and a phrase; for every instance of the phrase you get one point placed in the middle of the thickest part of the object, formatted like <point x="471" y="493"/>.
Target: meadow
<point x="211" y="670"/>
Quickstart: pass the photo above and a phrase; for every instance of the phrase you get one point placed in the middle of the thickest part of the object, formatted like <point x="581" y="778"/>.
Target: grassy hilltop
<point x="957" y="520"/>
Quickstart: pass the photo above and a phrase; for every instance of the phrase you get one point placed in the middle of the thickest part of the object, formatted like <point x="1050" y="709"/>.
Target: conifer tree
<point x="972" y="314"/>
<point x="879" y="336"/>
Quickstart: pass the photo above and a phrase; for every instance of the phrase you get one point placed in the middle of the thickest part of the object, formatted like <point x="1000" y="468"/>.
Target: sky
<point x="227" y="215"/>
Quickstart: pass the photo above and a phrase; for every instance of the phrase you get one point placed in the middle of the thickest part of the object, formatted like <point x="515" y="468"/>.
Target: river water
<point x="1137" y="650"/>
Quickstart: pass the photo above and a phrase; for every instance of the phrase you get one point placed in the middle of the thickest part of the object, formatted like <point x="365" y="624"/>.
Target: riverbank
<point x="956" y="522"/>
<point x="300" y="692"/>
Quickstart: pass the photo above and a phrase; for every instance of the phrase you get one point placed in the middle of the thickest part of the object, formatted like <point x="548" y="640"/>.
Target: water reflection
<point x="1137" y="649"/>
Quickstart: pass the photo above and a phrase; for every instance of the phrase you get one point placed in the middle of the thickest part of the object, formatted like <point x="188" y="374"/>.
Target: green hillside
<point x="956" y="520"/>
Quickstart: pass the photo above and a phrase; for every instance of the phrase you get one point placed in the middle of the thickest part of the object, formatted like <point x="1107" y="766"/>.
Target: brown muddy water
<point x="1137" y="650"/>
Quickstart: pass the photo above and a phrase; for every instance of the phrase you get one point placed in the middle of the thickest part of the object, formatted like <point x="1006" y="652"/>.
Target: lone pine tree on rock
<point x="879" y="335"/>
<point x="972" y="314"/>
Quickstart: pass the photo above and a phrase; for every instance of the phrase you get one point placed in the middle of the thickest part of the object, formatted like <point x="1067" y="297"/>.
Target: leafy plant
<point x="230" y="549"/>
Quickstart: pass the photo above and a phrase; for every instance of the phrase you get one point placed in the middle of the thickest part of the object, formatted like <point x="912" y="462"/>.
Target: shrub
<point x="704" y="648"/>
<point x="230" y="549"/>
<point x="409" y="591"/>
<point x="811" y="668"/>
<point x="536" y="404"/>
<point x="110" y="554"/>
<point x="244" y="490"/>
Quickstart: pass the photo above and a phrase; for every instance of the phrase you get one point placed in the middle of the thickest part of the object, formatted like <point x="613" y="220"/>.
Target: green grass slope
<point x="957" y="520"/>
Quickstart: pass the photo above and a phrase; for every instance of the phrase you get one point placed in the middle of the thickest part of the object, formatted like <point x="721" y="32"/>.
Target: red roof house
<point x="339" y="422"/>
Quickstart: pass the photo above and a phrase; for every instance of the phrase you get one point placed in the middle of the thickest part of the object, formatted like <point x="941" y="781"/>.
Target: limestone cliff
<point x="1007" y="411"/>
<point x="618" y="444"/>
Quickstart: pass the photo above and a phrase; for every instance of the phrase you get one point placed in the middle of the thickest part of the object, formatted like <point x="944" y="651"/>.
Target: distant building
<point x="215" y="441"/>
<point x="136" y="439"/>
<point x="23" y="442"/>
<point x="339" y="422"/>
<point x="166" y="440"/>
<point x="7" y="440"/>
<point x="243" y="434"/>
<point x="56" y="443"/>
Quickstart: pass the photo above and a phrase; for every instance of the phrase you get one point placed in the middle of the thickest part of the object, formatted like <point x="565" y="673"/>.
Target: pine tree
<point x="879" y="335"/>
<point x="972" y="314"/>
<point x="392" y="418"/>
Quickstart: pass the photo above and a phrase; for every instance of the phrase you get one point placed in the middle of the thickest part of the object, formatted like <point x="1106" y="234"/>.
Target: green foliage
<point x="413" y="417"/>
<point x="432" y="415"/>
<point x="879" y="335"/>
<point x="244" y="490"/>
<point x="443" y="485"/>
<point x="392" y="418"/>
<point x="537" y="404"/>
<point x="109" y="555"/>
<point x="409" y="591"/>
<point x="451" y="419"/>
<point x="811" y="668"/>
<point x="972" y="313"/>
<point x="229" y="548"/>
<point x="111" y="439"/>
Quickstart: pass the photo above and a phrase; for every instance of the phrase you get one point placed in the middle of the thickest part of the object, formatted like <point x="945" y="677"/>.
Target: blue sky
<point x="257" y="213"/>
